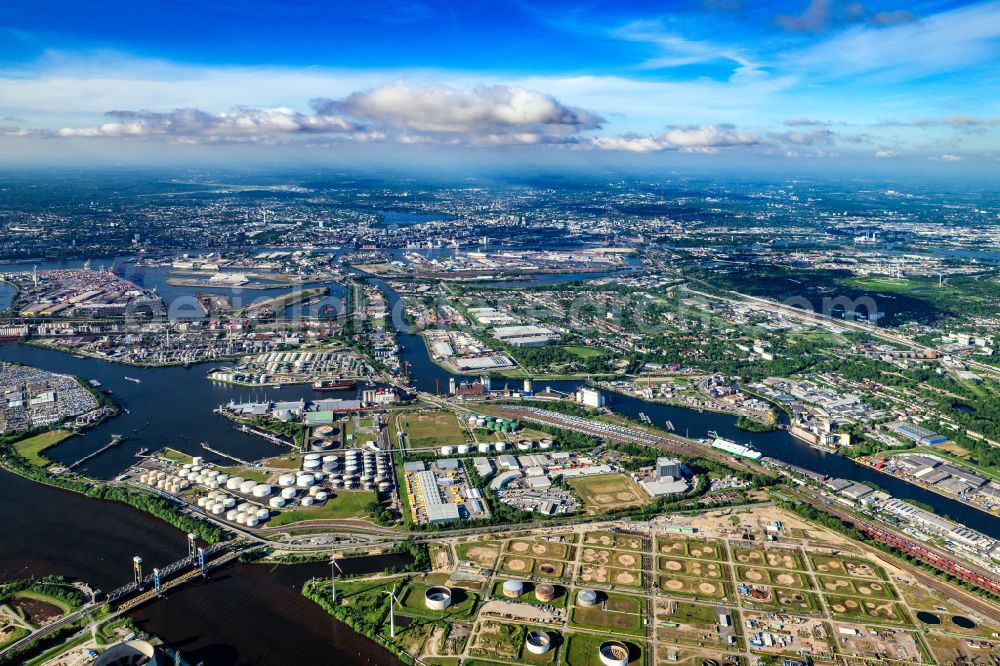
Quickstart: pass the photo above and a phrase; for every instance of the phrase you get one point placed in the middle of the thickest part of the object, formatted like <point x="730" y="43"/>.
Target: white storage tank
<point x="184" y="473"/>
<point x="286" y="480"/>
<point x="261" y="490"/>
<point x="252" y="521"/>
<point x="201" y="502"/>
<point x="321" y="496"/>
<point x="307" y="501"/>
<point x="305" y="480"/>
<point x="231" y="515"/>
<point x="463" y="449"/>
<point x="288" y="493"/>
<point x="217" y="509"/>
<point x="484" y="448"/>
<point x="222" y="478"/>
<point x="276" y="502"/>
<point x="447" y="450"/>
<point x="263" y="514"/>
<point x="311" y="465"/>
<point x="247" y="487"/>
<point x="234" y="482"/>
<point x="244" y="507"/>
<point x="229" y="502"/>
<point x="241" y="518"/>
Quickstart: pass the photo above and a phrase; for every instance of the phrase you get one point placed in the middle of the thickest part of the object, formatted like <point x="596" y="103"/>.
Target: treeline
<point x="56" y="587"/>
<point x="155" y="505"/>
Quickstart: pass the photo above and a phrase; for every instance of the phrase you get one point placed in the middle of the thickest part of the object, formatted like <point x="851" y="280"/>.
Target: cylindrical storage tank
<point x="537" y="641"/>
<point x="184" y="473"/>
<point x="161" y="484"/>
<point x="263" y="514"/>
<point x="218" y="509"/>
<point x="229" y="502"/>
<point x="222" y="478"/>
<point x="586" y="598"/>
<point x="384" y="487"/>
<point x="305" y="480"/>
<point x="212" y="473"/>
<point x="315" y="490"/>
<point x="309" y="457"/>
<point x="545" y="592"/>
<point x="234" y="482"/>
<point x="143" y="478"/>
<point x="202" y="501"/>
<point x="261" y="490"/>
<point x="463" y="449"/>
<point x="446" y="450"/>
<point x="196" y="468"/>
<point x="614" y="653"/>
<point x="241" y="518"/>
<point x="276" y="502"/>
<point x="472" y="419"/>
<point x="484" y="447"/>
<point x="213" y="484"/>
<point x="437" y="598"/>
<point x="311" y="465"/>
<point x="306" y="501"/>
<point x="288" y="493"/>
<point x="247" y="487"/>
<point x="231" y="515"/>
<point x="243" y="507"/>
<point x="545" y="444"/>
<point x="321" y="496"/>
<point x="286" y="480"/>
<point x="500" y="446"/>
<point x="197" y="460"/>
<point x="187" y="466"/>
<point x="513" y="588"/>
<point x="252" y="521"/>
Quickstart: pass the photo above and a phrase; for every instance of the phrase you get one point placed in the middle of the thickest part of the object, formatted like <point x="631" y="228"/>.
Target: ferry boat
<point x="134" y="380"/>
<point x="335" y="384"/>
<point x="729" y="446"/>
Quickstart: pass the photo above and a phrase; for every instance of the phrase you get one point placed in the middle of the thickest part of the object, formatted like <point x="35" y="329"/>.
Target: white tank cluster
<point x="164" y="481"/>
<point x="364" y="469"/>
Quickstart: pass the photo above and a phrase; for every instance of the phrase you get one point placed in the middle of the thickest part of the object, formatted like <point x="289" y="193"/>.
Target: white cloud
<point x="885" y="153"/>
<point x="950" y="158"/>
<point x="694" y="139"/>
<point x="478" y="111"/>
<point x="194" y="122"/>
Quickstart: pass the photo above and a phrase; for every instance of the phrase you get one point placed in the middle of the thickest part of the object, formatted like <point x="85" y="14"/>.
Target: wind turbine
<point x="334" y="568"/>
<point x="393" y="599"/>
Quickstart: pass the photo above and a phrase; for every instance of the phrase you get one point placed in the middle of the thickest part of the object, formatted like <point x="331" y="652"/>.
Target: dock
<point x="115" y="441"/>
<point x="208" y="448"/>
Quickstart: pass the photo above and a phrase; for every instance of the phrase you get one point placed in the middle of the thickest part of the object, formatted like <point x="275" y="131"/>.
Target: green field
<point x="619" y="614"/>
<point x="412" y="599"/>
<point x="31" y="448"/>
<point x="432" y="430"/>
<point x="347" y="504"/>
<point x="582" y="650"/>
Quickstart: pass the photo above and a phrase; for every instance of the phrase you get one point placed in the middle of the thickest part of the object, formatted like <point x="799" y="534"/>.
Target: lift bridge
<point x="154" y="584"/>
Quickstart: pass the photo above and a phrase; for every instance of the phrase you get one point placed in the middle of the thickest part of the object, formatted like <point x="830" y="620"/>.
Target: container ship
<point x="335" y="384"/>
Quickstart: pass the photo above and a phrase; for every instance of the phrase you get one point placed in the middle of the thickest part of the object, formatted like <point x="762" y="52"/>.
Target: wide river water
<point x="253" y="614"/>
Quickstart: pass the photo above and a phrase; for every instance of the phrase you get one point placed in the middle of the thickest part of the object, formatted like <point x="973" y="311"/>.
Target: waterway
<point x="58" y="532"/>
<point x="243" y="614"/>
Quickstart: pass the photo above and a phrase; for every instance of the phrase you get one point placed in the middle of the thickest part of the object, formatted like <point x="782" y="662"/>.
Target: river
<point x="246" y="614"/>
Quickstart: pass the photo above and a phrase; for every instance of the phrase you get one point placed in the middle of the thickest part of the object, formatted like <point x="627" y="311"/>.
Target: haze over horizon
<point x="884" y="87"/>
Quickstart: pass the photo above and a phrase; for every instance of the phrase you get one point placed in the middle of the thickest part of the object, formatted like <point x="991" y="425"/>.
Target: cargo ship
<point x="335" y="384"/>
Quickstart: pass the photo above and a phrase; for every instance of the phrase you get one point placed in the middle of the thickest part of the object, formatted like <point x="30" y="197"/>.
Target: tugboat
<point x="334" y="384"/>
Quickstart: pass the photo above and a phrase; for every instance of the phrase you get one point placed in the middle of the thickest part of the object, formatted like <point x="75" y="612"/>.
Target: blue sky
<point x="883" y="81"/>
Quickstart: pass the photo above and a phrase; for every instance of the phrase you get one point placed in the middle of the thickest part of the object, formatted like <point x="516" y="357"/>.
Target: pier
<point x="115" y="441"/>
<point x="208" y="448"/>
<point x="269" y="436"/>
